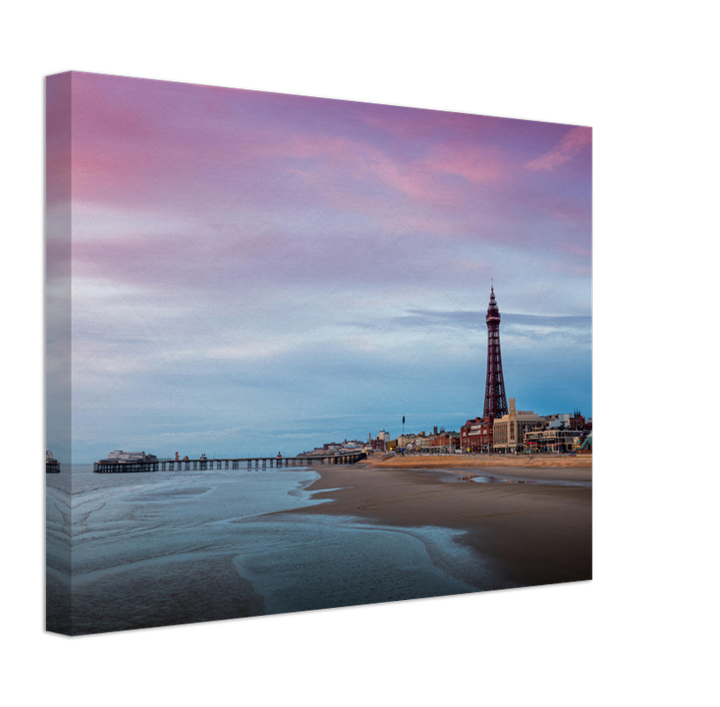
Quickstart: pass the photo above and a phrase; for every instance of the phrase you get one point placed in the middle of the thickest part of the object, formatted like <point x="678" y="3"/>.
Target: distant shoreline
<point x="541" y="466"/>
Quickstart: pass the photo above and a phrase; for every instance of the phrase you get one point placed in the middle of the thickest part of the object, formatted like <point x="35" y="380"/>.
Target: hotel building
<point x="509" y="430"/>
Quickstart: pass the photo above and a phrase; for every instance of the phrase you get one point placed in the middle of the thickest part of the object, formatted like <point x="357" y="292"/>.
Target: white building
<point x="556" y="421"/>
<point x="509" y="430"/>
<point x="126" y="456"/>
<point x="555" y="440"/>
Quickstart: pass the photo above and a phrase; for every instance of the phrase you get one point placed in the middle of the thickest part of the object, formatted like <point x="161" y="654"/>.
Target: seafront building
<point x="379" y="443"/>
<point x="476" y="435"/>
<point x="448" y="441"/>
<point x="375" y="445"/>
<point x="553" y="440"/>
<point x="561" y="433"/>
<point x="509" y="431"/>
<point x="406" y="441"/>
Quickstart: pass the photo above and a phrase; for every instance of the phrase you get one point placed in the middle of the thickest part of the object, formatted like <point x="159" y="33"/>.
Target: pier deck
<point x="133" y="467"/>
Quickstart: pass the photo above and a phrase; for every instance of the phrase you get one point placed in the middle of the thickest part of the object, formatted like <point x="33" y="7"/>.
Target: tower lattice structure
<point x="495" y="399"/>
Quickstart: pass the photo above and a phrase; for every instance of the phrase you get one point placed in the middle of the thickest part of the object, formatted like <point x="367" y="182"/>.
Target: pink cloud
<point x="269" y="173"/>
<point x="574" y="141"/>
<point x="420" y="178"/>
<point x="477" y="164"/>
<point x="412" y="123"/>
<point x="141" y="143"/>
<point x="337" y="159"/>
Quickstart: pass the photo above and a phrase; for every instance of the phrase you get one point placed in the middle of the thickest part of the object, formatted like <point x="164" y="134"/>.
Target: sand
<point x="540" y="467"/>
<point x="530" y="461"/>
<point x="531" y="533"/>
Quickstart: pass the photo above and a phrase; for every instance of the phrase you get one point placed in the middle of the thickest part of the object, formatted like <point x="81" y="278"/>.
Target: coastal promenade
<point x="202" y="464"/>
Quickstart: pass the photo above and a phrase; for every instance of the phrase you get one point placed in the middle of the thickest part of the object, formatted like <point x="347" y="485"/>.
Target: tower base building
<point x="509" y="431"/>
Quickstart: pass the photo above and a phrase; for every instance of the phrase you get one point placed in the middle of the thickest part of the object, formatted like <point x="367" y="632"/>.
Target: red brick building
<point x="448" y="440"/>
<point x="476" y="435"/>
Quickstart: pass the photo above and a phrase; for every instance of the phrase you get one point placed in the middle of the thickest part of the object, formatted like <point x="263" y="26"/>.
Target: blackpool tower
<point x="495" y="400"/>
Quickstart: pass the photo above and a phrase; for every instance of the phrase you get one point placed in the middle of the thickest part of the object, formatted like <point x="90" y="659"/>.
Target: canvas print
<point x="305" y="353"/>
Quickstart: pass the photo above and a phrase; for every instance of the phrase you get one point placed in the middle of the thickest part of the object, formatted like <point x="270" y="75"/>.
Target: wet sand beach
<point x="532" y="533"/>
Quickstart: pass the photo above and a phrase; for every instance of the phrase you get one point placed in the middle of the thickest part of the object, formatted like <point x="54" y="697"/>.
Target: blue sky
<point x="254" y="272"/>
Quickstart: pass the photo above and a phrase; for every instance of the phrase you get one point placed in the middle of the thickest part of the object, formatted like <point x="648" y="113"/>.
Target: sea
<point x="163" y="548"/>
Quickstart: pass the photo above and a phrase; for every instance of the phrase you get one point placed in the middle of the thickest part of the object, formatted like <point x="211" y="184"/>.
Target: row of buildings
<point x="521" y="431"/>
<point x="517" y="432"/>
<point x="344" y="447"/>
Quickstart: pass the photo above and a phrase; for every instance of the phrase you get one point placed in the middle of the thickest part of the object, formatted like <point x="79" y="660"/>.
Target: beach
<point x="181" y="547"/>
<point x="480" y="461"/>
<point x="531" y="530"/>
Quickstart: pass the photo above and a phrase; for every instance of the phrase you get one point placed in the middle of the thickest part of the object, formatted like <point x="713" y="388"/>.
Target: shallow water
<point x="453" y="475"/>
<point x="518" y="480"/>
<point x="174" y="547"/>
<point x="320" y="562"/>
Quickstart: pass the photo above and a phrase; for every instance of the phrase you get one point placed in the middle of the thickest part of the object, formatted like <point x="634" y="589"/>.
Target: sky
<point x="252" y="272"/>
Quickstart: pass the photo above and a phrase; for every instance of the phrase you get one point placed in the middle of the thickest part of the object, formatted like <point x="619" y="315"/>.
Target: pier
<point x="251" y="463"/>
<point x="52" y="465"/>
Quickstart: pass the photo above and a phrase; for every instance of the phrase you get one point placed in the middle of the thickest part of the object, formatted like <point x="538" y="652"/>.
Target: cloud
<point x="476" y="319"/>
<point x="465" y="331"/>
<point x="425" y="318"/>
<point x="547" y="320"/>
<point x="574" y="141"/>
